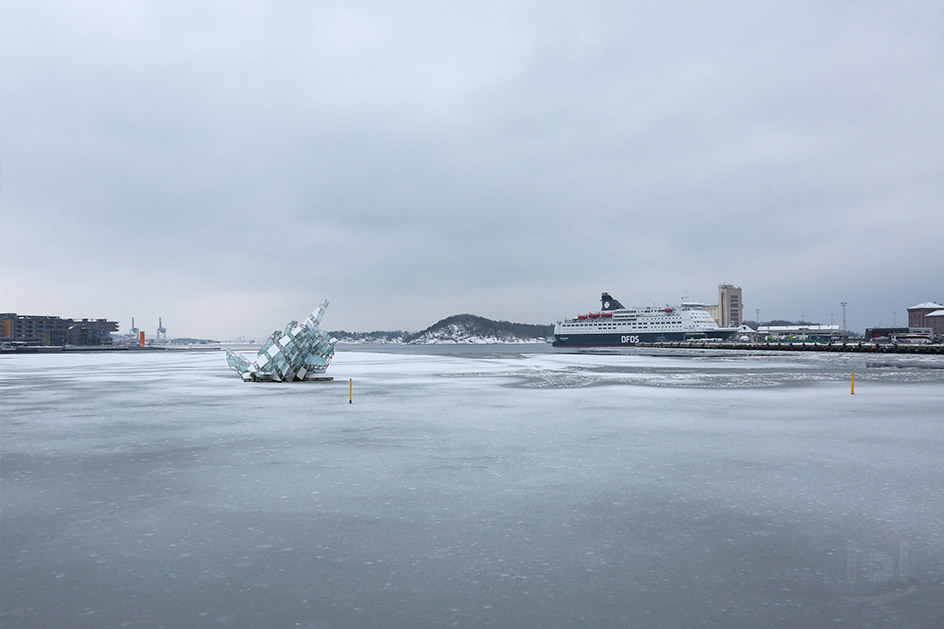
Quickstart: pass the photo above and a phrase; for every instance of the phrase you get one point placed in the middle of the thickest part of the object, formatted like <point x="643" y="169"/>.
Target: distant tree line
<point x="376" y="336"/>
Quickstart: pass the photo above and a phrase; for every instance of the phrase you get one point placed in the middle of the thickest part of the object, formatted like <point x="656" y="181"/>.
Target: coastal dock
<point x="68" y="349"/>
<point x="805" y="346"/>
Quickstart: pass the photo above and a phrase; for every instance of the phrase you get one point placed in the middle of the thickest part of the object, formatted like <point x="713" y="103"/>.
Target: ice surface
<point x="476" y="487"/>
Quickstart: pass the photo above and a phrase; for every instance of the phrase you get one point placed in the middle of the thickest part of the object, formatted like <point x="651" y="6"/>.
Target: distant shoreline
<point x="69" y="349"/>
<point x="864" y="348"/>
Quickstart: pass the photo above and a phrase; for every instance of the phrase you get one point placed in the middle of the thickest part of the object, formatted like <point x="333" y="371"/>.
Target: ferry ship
<point x="615" y="325"/>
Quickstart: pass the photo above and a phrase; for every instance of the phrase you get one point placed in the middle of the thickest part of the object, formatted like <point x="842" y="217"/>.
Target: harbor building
<point x="928" y="314"/>
<point x="52" y="330"/>
<point x="935" y="321"/>
<point x="899" y="335"/>
<point x="802" y="332"/>
<point x="729" y="311"/>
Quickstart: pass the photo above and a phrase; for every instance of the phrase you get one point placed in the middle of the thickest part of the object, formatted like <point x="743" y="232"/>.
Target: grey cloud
<point x="508" y="159"/>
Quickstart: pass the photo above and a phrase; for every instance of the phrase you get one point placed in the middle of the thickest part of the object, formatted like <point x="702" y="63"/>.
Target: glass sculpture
<point x="299" y="352"/>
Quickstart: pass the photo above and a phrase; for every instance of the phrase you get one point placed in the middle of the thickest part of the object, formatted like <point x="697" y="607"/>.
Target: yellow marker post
<point x="853" y="384"/>
<point x="350" y="392"/>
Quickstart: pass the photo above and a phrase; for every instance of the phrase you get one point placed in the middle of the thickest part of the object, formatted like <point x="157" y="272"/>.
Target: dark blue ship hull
<point x="614" y="339"/>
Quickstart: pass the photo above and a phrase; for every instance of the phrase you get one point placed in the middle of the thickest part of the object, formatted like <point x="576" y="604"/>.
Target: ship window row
<point x="613" y="326"/>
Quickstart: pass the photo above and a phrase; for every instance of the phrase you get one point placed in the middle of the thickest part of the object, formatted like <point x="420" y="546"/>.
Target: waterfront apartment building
<point x="51" y="330"/>
<point x="729" y="311"/>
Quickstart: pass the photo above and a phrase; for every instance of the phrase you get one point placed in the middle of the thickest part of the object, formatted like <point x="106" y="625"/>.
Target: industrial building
<point x="51" y="330"/>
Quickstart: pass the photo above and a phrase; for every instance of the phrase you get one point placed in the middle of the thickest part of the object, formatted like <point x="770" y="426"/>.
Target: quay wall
<point x="870" y="348"/>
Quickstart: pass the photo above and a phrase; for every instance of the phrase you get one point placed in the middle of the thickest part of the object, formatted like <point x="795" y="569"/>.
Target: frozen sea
<point x="498" y="486"/>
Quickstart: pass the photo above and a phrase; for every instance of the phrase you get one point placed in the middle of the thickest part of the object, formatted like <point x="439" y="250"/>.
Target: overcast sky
<point x="227" y="165"/>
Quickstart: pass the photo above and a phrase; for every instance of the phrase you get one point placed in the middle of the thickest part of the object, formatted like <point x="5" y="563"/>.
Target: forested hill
<point x="467" y="328"/>
<point x="462" y="328"/>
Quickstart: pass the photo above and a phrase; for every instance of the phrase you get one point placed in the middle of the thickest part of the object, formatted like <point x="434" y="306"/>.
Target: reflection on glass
<point x="299" y="352"/>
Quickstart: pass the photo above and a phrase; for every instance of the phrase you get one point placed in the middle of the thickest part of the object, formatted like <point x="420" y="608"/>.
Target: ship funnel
<point x="608" y="303"/>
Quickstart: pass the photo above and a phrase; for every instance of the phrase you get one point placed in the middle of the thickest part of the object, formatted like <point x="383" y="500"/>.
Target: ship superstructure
<point x="616" y="325"/>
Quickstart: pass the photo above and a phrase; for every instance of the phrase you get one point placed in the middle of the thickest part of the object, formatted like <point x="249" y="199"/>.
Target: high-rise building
<point x="730" y="306"/>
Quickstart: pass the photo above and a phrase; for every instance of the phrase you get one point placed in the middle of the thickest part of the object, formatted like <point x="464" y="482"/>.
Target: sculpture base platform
<point x="309" y="379"/>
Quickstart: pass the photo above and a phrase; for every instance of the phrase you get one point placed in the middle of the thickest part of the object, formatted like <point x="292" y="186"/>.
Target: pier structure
<point x="806" y="346"/>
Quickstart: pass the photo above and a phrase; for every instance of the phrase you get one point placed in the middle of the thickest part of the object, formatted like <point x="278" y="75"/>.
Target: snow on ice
<point x="499" y="486"/>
